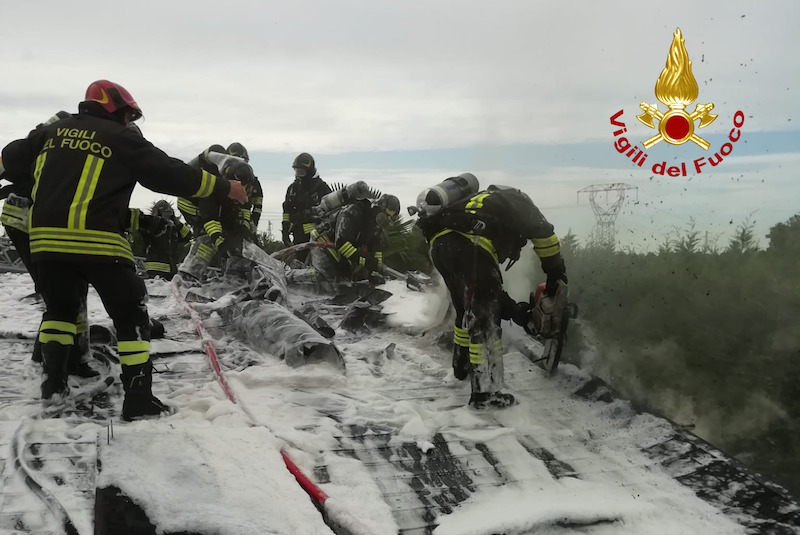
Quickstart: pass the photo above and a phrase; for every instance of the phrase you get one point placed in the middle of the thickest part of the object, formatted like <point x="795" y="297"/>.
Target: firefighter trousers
<point x="63" y="286"/>
<point x="476" y="285"/>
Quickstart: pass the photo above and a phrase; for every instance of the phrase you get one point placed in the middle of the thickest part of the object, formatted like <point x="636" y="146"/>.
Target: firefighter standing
<point x="301" y="197"/>
<point x="84" y="169"/>
<point x="468" y="242"/>
<point x="255" y="195"/>
<point x="19" y="198"/>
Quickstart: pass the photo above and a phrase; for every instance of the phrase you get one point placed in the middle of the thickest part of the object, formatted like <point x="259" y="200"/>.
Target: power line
<point x="606" y="201"/>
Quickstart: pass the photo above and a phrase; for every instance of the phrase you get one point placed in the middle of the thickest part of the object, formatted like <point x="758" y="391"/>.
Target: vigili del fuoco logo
<point x="676" y="88"/>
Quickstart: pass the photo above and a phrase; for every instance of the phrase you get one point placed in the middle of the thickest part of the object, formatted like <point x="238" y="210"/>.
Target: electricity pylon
<point x="606" y="201"/>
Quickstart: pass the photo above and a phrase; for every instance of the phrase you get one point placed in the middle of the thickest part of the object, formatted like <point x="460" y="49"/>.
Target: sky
<point x="406" y="94"/>
<point x="366" y="435"/>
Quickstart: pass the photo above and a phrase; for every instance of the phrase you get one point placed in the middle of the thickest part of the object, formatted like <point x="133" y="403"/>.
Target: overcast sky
<point x="405" y="94"/>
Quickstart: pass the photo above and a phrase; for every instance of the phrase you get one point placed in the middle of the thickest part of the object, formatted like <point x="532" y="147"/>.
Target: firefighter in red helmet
<point x="85" y="168"/>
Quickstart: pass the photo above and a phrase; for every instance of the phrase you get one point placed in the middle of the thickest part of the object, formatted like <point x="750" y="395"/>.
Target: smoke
<point x="713" y="417"/>
<point x="524" y="276"/>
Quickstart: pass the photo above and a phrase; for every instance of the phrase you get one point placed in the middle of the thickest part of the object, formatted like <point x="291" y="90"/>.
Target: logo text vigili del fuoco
<point x="676" y="88"/>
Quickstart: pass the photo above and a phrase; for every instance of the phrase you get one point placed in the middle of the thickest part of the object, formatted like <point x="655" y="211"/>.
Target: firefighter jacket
<point x="163" y="240"/>
<point x="189" y="207"/>
<point x="84" y="169"/>
<point x="301" y="197"/>
<point x="353" y="236"/>
<point x="255" y="196"/>
<point x="225" y="220"/>
<point x="17" y="205"/>
<point x="500" y="221"/>
<point x="19" y="200"/>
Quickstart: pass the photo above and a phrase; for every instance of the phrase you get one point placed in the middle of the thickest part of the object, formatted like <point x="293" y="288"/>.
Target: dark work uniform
<point x="301" y="196"/>
<point x="84" y="169"/>
<point x="354" y="237"/>
<point x="468" y="243"/>
<point x="164" y="238"/>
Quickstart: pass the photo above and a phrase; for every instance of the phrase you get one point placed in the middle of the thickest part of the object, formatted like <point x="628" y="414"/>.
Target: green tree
<point x="784" y="238"/>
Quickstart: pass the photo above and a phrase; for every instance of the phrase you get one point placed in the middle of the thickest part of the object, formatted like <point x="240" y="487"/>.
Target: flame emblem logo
<point x="676" y="88"/>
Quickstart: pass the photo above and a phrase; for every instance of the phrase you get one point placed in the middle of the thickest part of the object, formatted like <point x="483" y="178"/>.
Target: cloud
<point x="359" y="75"/>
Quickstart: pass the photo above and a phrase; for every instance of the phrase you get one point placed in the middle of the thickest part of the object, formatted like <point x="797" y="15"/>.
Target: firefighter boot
<point x="37" y="351"/>
<point x="54" y="370"/>
<point x="76" y="363"/>
<point x="488" y="400"/>
<point x="137" y="380"/>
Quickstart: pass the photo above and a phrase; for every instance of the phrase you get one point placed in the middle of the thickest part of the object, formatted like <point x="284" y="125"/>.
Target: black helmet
<point x="304" y="166"/>
<point x="162" y="208"/>
<point x="389" y="203"/>
<point x="386" y="209"/>
<point x="237" y="149"/>
<point x="236" y="170"/>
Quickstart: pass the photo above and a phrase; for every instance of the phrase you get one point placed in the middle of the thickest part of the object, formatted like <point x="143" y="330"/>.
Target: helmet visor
<point x="300" y="172"/>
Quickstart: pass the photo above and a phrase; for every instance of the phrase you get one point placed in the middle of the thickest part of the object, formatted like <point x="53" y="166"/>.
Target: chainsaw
<point x="548" y="323"/>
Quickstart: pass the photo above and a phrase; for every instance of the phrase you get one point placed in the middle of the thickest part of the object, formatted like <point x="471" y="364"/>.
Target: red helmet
<point x="113" y="97"/>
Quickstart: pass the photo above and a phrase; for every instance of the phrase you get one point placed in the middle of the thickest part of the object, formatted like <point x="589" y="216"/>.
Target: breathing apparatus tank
<point x="336" y="199"/>
<point x="444" y="194"/>
<point x="57" y="117"/>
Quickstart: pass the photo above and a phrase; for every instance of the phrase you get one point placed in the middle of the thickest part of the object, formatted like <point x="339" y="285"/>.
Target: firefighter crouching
<point x="470" y="233"/>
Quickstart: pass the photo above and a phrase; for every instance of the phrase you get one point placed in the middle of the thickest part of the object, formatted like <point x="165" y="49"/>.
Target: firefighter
<point x="469" y="239"/>
<point x="255" y="194"/>
<point x="14" y="217"/>
<point x="302" y="196"/>
<point x="350" y="241"/>
<point x="188" y="206"/>
<point x="164" y="236"/>
<point x="225" y="224"/>
<point x="84" y="169"/>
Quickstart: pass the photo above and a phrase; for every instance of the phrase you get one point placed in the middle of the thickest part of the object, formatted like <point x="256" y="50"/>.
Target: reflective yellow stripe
<point x="37" y="173"/>
<point x="133" y="352"/>
<point x="84" y="192"/>
<point x="63" y="339"/>
<point x="213" y="227"/>
<point x="205" y="252"/>
<point x="286" y="217"/>
<point x="460" y="337"/>
<point x="323" y="238"/>
<point x="308" y="228"/>
<point x="79" y="241"/>
<point x="133" y="220"/>
<point x="476" y="353"/>
<point x="82" y="323"/>
<point x="207" y="182"/>
<point x="219" y="241"/>
<point x="184" y="231"/>
<point x="61" y="326"/>
<point x="477" y="201"/>
<point x="246" y="214"/>
<point x="185" y="205"/>
<point x="157" y="266"/>
<point x="498" y="347"/>
<point x="545" y="247"/>
<point x="379" y="256"/>
<point x="15" y="217"/>
<point x="362" y="261"/>
<point x="347" y="249"/>
<point x="14" y="211"/>
<point x="483" y="242"/>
